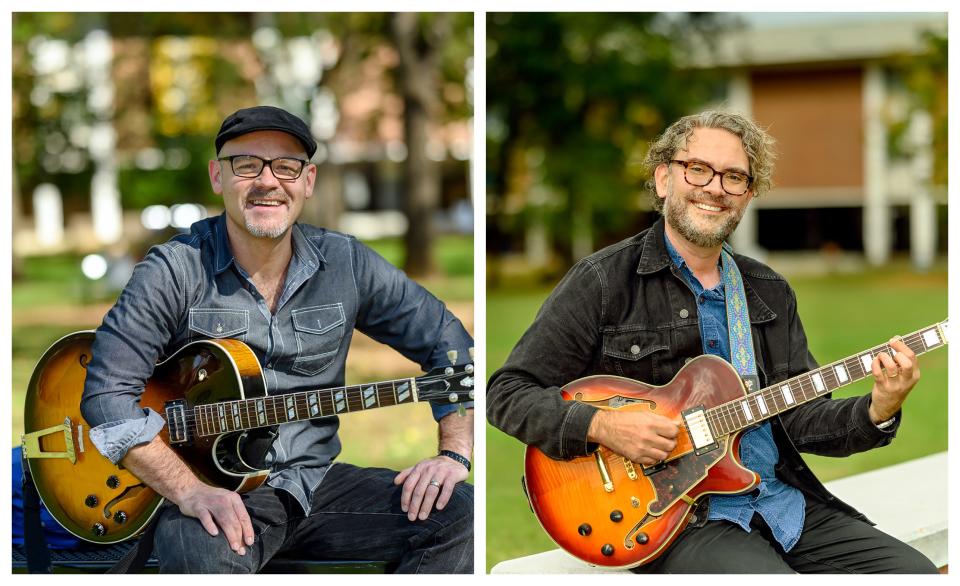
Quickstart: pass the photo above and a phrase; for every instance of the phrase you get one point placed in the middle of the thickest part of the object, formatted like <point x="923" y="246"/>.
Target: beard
<point x="708" y="232"/>
<point x="272" y="229"/>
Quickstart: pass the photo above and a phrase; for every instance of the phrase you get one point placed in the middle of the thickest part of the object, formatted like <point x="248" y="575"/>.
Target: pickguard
<point x="679" y="476"/>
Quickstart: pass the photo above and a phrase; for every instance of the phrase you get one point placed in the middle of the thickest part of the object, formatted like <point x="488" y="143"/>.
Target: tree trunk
<point x="418" y="84"/>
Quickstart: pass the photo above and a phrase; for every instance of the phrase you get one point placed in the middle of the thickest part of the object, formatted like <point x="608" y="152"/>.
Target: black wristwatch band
<point x="457" y="457"/>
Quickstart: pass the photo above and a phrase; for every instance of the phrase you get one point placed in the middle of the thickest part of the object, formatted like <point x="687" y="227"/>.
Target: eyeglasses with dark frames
<point x="250" y="166"/>
<point x="700" y="174"/>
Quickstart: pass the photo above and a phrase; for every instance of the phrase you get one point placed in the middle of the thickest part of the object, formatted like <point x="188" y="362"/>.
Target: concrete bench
<point x="920" y="521"/>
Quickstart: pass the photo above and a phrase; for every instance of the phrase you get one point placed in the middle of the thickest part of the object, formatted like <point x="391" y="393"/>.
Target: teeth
<point x="709" y="208"/>
<point x="268" y="202"/>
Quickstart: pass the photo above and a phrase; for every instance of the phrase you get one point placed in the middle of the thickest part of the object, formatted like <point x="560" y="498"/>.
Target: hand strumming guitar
<point x="641" y="436"/>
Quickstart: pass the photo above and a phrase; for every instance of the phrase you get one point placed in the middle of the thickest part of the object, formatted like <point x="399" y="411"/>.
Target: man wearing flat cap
<point x="293" y="293"/>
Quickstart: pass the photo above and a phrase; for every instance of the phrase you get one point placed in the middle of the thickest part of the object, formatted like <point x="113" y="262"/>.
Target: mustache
<point x="273" y="194"/>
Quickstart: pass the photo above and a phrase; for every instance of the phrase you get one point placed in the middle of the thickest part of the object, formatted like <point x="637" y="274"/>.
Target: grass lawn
<point x="842" y="315"/>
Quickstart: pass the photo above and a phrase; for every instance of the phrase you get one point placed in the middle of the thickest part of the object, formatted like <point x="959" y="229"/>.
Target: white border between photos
<point x="478" y="174"/>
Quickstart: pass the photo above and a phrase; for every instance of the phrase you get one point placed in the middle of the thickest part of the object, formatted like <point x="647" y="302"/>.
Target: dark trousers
<point x="356" y="515"/>
<point x="832" y="542"/>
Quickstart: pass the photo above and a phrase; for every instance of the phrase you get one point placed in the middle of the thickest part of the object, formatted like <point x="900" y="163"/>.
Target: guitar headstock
<point x="453" y="384"/>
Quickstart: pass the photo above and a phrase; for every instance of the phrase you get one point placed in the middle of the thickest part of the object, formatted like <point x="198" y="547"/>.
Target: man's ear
<point x="216" y="176"/>
<point x="661" y="176"/>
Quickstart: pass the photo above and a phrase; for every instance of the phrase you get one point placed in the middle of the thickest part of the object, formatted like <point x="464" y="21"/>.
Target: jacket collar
<point x="655" y="257"/>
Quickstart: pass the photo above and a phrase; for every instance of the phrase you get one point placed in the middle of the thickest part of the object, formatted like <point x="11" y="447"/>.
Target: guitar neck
<point x="244" y="414"/>
<point x="773" y="400"/>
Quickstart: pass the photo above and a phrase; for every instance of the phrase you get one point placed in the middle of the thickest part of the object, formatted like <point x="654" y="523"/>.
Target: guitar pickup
<point x="698" y="428"/>
<point x="177" y="422"/>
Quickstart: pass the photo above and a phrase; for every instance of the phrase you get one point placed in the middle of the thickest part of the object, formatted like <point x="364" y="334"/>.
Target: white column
<point x="48" y="215"/>
<point x="876" y="210"/>
<point x="923" y="211"/>
<point x="105" y="206"/>
<point x="744" y="238"/>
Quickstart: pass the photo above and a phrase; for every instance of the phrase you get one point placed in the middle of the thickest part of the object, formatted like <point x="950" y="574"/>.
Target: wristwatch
<point x="455" y="456"/>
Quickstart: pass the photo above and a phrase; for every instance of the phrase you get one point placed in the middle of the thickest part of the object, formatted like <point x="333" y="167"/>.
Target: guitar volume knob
<point x="607" y="549"/>
<point x="113" y="481"/>
<point x="99" y="530"/>
<point x="91" y="501"/>
<point x="585" y="529"/>
<point x="616" y="516"/>
<point x="120" y="517"/>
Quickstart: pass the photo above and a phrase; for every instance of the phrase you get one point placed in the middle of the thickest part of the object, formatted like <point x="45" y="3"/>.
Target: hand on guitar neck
<point x="162" y="470"/>
<point x="641" y="436"/>
<point x="894" y="378"/>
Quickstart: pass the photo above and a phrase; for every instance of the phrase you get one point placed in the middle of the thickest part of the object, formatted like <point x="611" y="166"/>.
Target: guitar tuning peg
<point x="452" y="356"/>
<point x="470" y="351"/>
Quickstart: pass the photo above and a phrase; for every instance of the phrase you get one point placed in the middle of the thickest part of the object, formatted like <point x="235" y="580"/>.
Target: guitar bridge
<point x="698" y="428"/>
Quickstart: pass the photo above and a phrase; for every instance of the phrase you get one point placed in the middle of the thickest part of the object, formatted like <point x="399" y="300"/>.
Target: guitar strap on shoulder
<point x="738" y="323"/>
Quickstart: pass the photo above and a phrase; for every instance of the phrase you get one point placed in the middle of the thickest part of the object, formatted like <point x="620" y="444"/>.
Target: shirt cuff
<point x="115" y="438"/>
<point x="441" y="410"/>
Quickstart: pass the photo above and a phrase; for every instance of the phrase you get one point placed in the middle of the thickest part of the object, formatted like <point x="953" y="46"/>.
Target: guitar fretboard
<point x="217" y="418"/>
<point x="756" y="407"/>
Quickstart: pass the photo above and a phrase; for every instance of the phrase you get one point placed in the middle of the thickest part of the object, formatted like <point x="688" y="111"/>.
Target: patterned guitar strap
<point x="738" y="323"/>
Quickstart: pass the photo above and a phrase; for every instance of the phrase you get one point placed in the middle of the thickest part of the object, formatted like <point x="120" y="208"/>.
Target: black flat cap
<point x="265" y="118"/>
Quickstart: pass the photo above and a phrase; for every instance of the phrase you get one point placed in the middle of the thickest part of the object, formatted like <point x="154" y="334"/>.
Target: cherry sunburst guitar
<point x="212" y="395"/>
<point x="609" y="511"/>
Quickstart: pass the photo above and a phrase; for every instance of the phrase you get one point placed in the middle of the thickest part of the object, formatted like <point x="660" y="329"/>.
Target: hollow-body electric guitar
<point x="609" y="511"/>
<point x="212" y="395"/>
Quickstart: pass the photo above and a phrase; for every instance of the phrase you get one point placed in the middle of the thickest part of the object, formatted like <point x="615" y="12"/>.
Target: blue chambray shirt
<point x="780" y="505"/>
<point x="191" y="288"/>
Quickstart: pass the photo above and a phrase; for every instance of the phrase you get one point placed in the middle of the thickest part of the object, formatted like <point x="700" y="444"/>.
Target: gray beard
<point x="674" y="211"/>
<point x="272" y="233"/>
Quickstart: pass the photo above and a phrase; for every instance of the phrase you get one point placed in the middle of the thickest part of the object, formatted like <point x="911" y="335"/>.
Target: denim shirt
<point x="780" y="505"/>
<point x="191" y="288"/>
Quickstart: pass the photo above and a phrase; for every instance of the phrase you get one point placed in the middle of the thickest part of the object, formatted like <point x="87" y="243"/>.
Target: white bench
<point x="919" y="520"/>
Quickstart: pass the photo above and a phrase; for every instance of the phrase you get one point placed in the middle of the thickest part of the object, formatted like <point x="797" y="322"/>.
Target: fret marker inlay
<point x="818" y="382"/>
<point x="867" y="362"/>
<point x="369" y="398"/>
<point x="261" y="414"/>
<point x="403" y="392"/>
<point x="787" y="395"/>
<point x="761" y="404"/>
<point x="746" y="410"/>
<point x="313" y="403"/>
<point x="841" y="373"/>
<point x="340" y="401"/>
<point x="291" y="409"/>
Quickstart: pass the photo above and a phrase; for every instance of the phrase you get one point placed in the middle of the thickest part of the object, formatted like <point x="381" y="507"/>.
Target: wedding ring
<point x="435" y="483"/>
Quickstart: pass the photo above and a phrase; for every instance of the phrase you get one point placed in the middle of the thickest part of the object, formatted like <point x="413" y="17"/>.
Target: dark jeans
<point x="832" y="542"/>
<point x="356" y="515"/>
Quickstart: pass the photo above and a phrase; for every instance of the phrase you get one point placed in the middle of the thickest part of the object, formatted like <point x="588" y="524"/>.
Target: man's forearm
<point x="456" y="433"/>
<point x="161" y="469"/>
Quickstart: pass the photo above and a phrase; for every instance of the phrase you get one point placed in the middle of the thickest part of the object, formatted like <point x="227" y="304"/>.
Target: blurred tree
<point x="175" y="76"/>
<point x="572" y="100"/>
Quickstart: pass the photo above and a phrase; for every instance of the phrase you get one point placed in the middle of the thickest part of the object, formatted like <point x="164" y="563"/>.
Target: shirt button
<point x="634" y="349"/>
<point x="684" y="313"/>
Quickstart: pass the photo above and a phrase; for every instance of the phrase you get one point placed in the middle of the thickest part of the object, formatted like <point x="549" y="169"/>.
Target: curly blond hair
<point x="756" y="142"/>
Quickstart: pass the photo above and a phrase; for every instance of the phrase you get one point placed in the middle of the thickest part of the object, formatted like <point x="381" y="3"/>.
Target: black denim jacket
<point x="630" y="296"/>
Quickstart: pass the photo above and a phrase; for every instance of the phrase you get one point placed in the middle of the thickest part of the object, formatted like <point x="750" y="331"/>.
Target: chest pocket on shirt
<point x="635" y="354"/>
<point x="218" y="323"/>
<point x="319" y="331"/>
